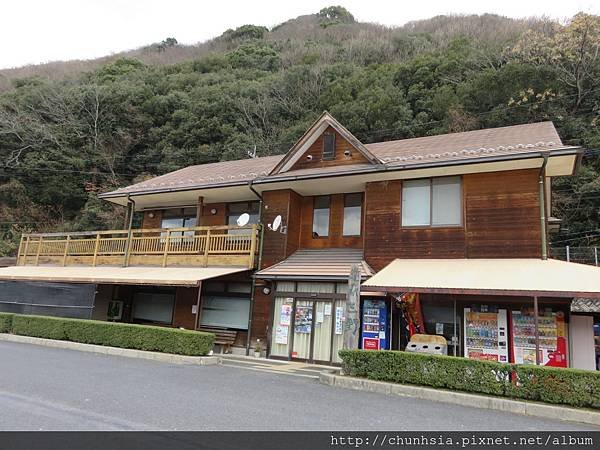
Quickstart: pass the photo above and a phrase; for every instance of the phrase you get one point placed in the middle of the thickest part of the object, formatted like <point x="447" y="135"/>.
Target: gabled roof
<point x="321" y="264"/>
<point x="445" y="149"/>
<point x="311" y="135"/>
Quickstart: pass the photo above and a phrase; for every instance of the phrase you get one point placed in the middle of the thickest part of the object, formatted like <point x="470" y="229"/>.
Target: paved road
<point x="54" y="389"/>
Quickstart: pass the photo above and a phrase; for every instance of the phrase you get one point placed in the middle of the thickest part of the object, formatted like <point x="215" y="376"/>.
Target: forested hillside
<point x="71" y="130"/>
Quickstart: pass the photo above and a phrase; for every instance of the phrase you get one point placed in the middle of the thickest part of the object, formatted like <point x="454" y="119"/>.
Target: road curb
<point x="113" y="351"/>
<point x="533" y="409"/>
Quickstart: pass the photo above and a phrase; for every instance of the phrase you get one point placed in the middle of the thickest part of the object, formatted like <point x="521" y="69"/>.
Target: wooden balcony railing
<point x="190" y="246"/>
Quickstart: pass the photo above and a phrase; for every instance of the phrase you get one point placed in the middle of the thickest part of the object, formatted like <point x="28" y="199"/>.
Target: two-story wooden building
<point x="459" y="219"/>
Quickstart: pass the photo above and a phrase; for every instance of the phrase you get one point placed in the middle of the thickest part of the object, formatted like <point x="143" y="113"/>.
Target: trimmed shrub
<point x="6" y="320"/>
<point x="547" y="384"/>
<point x="123" y="335"/>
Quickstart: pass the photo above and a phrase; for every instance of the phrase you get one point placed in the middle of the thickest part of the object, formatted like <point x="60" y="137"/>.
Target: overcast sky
<point x="36" y="31"/>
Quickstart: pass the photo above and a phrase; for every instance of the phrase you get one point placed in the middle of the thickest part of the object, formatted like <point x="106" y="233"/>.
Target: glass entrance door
<point x="323" y="331"/>
<point x="303" y="326"/>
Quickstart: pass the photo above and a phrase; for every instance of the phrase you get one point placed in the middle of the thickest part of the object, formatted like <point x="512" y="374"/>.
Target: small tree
<point x="333" y="15"/>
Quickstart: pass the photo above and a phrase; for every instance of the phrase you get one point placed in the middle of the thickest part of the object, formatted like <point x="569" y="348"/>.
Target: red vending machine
<point x="552" y="333"/>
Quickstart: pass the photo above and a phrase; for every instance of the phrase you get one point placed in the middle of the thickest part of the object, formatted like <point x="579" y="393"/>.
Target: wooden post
<point x="198" y="305"/>
<point x="37" y="254"/>
<point x="25" y="251"/>
<point x="536" y="330"/>
<point x="96" y="248"/>
<point x="206" y="248"/>
<point x="166" y="251"/>
<point x="252" y="248"/>
<point x="66" y="252"/>
<point x="352" y="324"/>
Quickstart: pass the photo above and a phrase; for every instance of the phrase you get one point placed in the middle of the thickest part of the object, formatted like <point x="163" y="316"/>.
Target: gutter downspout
<point x="131" y="210"/>
<point x="542" y="200"/>
<point x="261" y="229"/>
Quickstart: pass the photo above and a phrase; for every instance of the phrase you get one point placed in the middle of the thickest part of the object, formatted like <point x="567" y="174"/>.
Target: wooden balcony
<point x="166" y="247"/>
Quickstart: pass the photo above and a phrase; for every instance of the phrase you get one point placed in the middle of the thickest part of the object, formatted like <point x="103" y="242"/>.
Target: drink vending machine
<point x="552" y="338"/>
<point x="486" y="335"/>
<point x="374" y="333"/>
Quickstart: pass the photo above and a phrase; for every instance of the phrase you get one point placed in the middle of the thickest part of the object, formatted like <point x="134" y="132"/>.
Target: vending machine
<point x="486" y="334"/>
<point x="374" y="333"/>
<point x="552" y="338"/>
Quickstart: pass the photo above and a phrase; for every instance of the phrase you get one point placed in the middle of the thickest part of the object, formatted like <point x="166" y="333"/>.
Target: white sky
<point x="36" y="31"/>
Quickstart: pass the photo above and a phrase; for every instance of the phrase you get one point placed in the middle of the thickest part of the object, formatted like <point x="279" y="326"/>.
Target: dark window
<point x="352" y="214"/>
<point x="321" y="216"/>
<point x="328" y="146"/>
<point x="235" y="210"/>
<point x="154" y="305"/>
<point x="178" y="218"/>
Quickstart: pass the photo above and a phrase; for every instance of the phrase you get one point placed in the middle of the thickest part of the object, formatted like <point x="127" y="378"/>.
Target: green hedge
<point x="123" y="335"/>
<point x="553" y="385"/>
<point x="6" y="320"/>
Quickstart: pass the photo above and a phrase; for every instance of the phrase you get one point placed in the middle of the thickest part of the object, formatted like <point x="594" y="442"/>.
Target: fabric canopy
<point x="520" y="277"/>
<point x="158" y="276"/>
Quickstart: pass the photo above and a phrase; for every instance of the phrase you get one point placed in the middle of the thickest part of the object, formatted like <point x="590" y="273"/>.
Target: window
<point x="226" y="304"/>
<point x="154" y="306"/>
<point x="431" y="202"/>
<point x="178" y="218"/>
<point x="328" y="146"/>
<point x="352" y="214"/>
<point x="235" y="210"/>
<point x="321" y="216"/>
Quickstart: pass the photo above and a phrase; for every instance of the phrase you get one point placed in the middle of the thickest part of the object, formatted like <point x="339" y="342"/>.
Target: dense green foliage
<point x="122" y="335"/>
<point x="64" y="139"/>
<point x="6" y="320"/>
<point x="562" y="386"/>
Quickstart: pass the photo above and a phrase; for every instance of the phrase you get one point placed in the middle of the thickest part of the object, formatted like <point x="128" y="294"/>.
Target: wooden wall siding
<point x="336" y="224"/>
<point x="261" y="315"/>
<point x="294" y="222"/>
<point x="152" y="222"/>
<point x="210" y="220"/>
<point x="185" y="298"/>
<point x="275" y="203"/>
<point x="385" y="240"/>
<point x="502" y="214"/>
<point x="316" y="151"/>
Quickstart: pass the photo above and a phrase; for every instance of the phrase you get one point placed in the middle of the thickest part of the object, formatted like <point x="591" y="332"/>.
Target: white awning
<point x="159" y="276"/>
<point x="529" y="277"/>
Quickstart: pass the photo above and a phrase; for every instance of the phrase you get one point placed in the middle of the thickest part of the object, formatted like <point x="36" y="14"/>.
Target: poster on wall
<point x="303" y="319"/>
<point x="327" y="309"/>
<point x="115" y="310"/>
<point x="339" y="313"/>
<point x="281" y="335"/>
<point x="285" y="319"/>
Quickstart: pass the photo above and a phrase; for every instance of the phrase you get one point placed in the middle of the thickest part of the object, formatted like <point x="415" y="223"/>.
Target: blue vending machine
<point x="375" y="325"/>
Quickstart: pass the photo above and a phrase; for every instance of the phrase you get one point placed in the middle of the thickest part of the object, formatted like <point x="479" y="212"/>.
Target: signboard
<point x="339" y="318"/>
<point x="370" y="344"/>
<point x="285" y="317"/>
<point x="303" y="319"/>
<point x="281" y="335"/>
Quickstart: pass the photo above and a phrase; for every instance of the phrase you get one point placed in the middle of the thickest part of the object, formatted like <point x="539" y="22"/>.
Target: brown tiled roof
<point x="324" y="264"/>
<point x="445" y="148"/>
<point x="516" y="139"/>
<point x="220" y="173"/>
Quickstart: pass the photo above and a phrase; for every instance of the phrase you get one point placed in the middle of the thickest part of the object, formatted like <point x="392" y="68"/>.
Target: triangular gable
<point x="325" y="121"/>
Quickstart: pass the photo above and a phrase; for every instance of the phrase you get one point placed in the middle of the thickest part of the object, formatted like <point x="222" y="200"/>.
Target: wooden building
<point x="306" y="217"/>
